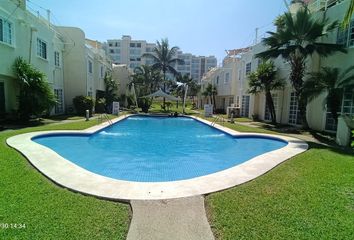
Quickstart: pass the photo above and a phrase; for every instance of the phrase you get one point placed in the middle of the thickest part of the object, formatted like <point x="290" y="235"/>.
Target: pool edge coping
<point x="69" y="175"/>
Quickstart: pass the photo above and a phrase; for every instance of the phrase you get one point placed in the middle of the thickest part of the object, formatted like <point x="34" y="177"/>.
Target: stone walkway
<point x="177" y="219"/>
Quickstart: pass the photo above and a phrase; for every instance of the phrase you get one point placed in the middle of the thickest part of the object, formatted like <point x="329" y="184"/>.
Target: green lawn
<point x="308" y="197"/>
<point x="50" y="211"/>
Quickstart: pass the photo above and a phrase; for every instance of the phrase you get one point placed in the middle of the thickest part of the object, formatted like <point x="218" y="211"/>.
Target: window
<point x="346" y="37"/>
<point x="2" y="99"/>
<point x="342" y="36"/>
<point x="237" y="101"/>
<point x="267" y="115"/>
<point x="217" y="80"/>
<point x="41" y="48"/>
<point x="89" y="94"/>
<point x="227" y="78"/>
<point x="6" y="30"/>
<point x="245" y="108"/>
<point x="89" y="66"/>
<point x="101" y="71"/>
<point x="138" y="45"/>
<point x="231" y="101"/>
<point x="294" y="112"/>
<point x="132" y="44"/>
<point x="117" y="44"/>
<point x="248" y="68"/>
<point x="351" y="34"/>
<point x="330" y="122"/>
<point x="110" y="44"/>
<point x="56" y="59"/>
<point x="348" y="103"/>
<point x="111" y="51"/>
<point x="59" y="106"/>
<point x="347" y="108"/>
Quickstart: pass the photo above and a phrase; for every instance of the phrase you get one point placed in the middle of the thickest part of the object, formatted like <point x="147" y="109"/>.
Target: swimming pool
<point x="158" y="149"/>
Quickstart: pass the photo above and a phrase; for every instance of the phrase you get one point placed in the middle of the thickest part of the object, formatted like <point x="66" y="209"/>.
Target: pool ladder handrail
<point x="216" y="118"/>
<point x="104" y="116"/>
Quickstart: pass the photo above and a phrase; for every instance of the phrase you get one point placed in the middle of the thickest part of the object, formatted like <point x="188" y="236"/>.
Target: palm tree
<point x="164" y="58"/>
<point x="264" y="80"/>
<point x="348" y="15"/>
<point x="208" y="92"/>
<point x="332" y="82"/>
<point x="297" y="40"/>
<point x="186" y="80"/>
<point x="211" y="92"/>
<point x="147" y="75"/>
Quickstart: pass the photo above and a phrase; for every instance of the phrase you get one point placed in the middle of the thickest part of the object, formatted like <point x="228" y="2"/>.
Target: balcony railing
<point x="320" y="5"/>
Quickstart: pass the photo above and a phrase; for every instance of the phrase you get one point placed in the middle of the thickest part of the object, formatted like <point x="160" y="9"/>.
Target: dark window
<point x="90" y="66"/>
<point x="41" y="48"/>
<point x="56" y="59"/>
<point x="2" y="99"/>
<point x="138" y="45"/>
<point x="248" y="68"/>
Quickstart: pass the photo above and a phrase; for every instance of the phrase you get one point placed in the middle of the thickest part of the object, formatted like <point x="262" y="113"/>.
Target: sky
<point x="200" y="27"/>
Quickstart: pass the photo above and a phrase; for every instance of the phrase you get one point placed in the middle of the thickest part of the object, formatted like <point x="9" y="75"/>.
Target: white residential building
<point x="85" y="66"/>
<point x="195" y="66"/>
<point x="285" y="101"/>
<point x="35" y="40"/>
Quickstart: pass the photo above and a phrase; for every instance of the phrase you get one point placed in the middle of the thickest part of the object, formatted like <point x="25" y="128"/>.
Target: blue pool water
<point x="158" y="149"/>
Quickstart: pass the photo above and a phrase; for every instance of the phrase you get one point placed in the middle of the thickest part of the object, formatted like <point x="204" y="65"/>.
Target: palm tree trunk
<point x="297" y="62"/>
<point x="270" y="106"/>
<point x="164" y="88"/>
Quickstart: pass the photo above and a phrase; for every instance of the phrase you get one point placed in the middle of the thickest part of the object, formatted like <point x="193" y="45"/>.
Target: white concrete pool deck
<point x="71" y="176"/>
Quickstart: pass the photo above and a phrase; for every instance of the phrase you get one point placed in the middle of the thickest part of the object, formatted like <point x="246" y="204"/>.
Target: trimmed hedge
<point x="83" y="103"/>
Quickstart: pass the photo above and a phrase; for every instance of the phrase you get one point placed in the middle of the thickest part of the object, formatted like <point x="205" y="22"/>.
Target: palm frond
<point x="348" y="15"/>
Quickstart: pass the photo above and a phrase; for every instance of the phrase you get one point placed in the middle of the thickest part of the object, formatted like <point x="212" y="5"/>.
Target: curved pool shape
<point x="158" y="149"/>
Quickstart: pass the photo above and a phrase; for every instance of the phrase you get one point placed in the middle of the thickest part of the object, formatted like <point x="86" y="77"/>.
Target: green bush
<point x="352" y="139"/>
<point x="100" y="106"/>
<point x="35" y="96"/>
<point x="82" y="103"/>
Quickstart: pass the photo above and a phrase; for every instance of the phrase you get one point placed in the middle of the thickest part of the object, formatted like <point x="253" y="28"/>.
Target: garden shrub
<point x="100" y="106"/>
<point x="36" y="97"/>
<point x="82" y="103"/>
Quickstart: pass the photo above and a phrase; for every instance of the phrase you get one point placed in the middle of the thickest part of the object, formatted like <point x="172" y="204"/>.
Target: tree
<point x="211" y="92"/>
<point x="297" y="40"/>
<point x="35" y="96"/>
<point x="110" y="90"/>
<point x="185" y="80"/>
<point x="331" y="82"/>
<point x="265" y="80"/>
<point x="348" y="15"/>
<point x="164" y="58"/>
<point x="145" y="80"/>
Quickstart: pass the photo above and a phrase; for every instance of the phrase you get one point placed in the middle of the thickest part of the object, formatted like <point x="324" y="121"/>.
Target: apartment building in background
<point x="129" y="52"/>
<point x="195" y="66"/>
<point x="285" y="101"/>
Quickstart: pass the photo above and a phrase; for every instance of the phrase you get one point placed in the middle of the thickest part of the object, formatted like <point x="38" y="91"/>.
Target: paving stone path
<point x="176" y="219"/>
